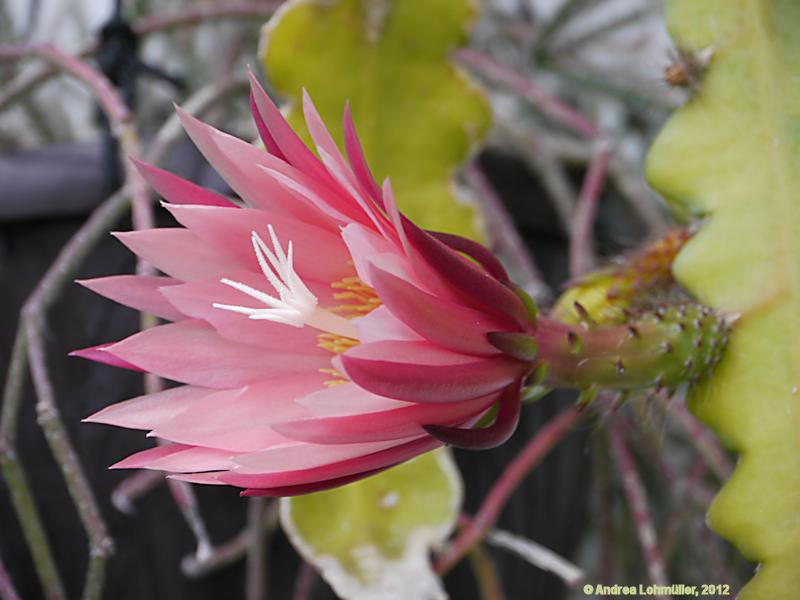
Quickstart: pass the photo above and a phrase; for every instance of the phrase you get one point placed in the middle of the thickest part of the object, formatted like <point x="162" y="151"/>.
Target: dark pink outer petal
<point x="471" y="282"/>
<point x="352" y="466"/>
<point x="294" y="150"/>
<point x="263" y="131"/>
<point x="349" y="425"/>
<point x="419" y="372"/>
<point x="139" y="292"/>
<point x="476" y="251"/>
<point x="308" y="488"/>
<point x="441" y="321"/>
<point x="355" y="153"/>
<point x="179" y="190"/>
<point x="494" y="435"/>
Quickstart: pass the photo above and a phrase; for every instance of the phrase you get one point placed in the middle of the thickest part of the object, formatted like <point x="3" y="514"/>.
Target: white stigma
<point x="295" y="304"/>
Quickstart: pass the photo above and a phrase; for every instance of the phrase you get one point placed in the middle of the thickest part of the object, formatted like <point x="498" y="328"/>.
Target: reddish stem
<point x="637" y="499"/>
<point x="581" y="253"/>
<point x="530" y="456"/>
<point x="304" y="584"/>
<point x="489" y="68"/>
<point x="705" y="442"/>
<point x="505" y="237"/>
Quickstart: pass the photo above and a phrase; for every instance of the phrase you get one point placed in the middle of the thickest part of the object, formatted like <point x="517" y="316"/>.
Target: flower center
<point x="295" y="304"/>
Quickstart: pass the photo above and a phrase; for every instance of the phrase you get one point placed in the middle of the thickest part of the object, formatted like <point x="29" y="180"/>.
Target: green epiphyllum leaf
<point x="733" y="153"/>
<point x="372" y="539"/>
<point x="417" y="116"/>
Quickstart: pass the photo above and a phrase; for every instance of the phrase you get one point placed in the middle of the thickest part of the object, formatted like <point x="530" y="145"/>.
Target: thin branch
<point x="229" y="552"/>
<point x="499" y="73"/>
<point x="133" y="487"/>
<point x="514" y="473"/>
<point x="198" y="13"/>
<point x="7" y="589"/>
<point x="255" y="584"/>
<point x="581" y="253"/>
<point x="637" y="500"/>
<point x="193" y="15"/>
<point x="702" y="439"/>
<point x="304" y="582"/>
<point x="506" y="238"/>
<point x="490" y="586"/>
<point x="539" y="556"/>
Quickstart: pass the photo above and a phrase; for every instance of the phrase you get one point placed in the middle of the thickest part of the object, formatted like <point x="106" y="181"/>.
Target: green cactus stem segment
<point x="605" y="295"/>
<point x="663" y="348"/>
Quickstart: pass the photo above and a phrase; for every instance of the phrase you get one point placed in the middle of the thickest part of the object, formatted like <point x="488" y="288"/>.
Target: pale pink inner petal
<point x="178" y="458"/>
<point x="239" y="420"/>
<point x="139" y="292"/>
<point x="150" y="411"/>
<point x="192" y="352"/>
<point x="319" y="255"/>
<point x="178" y="253"/>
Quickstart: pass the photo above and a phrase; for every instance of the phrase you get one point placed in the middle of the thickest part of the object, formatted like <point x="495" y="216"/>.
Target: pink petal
<point x="476" y="251"/>
<point x="196" y="300"/>
<point x="101" y="355"/>
<point x="177" y="458"/>
<point x="139" y="292"/>
<point x="355" y="152"/>
<point x="494" y="435"/>
<point x="421" y="372"/>
<point x="208" y="478"/>
<point x="319" y="255"/>
<point x="178" y="253"/>
<point x="293" y="148"/>
<point x="308" y="488"/>
<point x="337" y="166"/>
<point x="179" y="190"/>
<point x="352" y="466"/>
<point x="360" y="420"/>
<point x="239" y="164"/>
<point x="381" y="325"/>
<point x="192" y="352"/>
<point x="150" y="411"/>
<point x="291" y="455"/>
<point x="266" y="137"/>
<point x="441" y="321"/>
<point x="472" y="283"/>
<point x="240" y="420"/>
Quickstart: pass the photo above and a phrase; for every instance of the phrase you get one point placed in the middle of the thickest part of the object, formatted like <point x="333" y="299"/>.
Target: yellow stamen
<point x="361" y="300"/>
<point x="338" y="378"/>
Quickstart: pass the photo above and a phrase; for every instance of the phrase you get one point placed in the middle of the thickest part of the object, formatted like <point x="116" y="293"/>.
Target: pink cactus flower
<point x="319" y="335"/>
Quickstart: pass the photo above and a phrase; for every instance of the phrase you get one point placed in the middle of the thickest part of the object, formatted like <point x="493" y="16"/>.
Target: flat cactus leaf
<point x="372" y="539"/>
<point x="417" y="116"/>
<point x="733" y="154"/>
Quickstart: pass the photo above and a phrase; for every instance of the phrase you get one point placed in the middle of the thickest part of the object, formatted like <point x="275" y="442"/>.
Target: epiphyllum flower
<point x="320" y="335"/>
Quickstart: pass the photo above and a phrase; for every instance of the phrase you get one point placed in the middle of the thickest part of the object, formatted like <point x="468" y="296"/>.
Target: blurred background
<point x="562" y="77"/>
